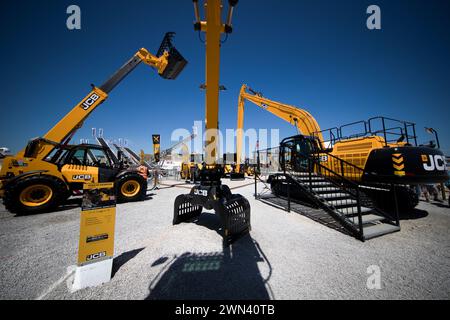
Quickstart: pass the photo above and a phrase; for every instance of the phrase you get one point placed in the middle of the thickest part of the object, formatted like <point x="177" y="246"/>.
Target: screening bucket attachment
<point x="176" y="61"/>
<point x="233" y="209"/>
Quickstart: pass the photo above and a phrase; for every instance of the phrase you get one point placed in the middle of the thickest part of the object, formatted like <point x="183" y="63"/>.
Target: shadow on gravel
<point x="119" y="261"/>
<point x="230" y="274"/>
<point x="413" y="215"/>
<point x="441" y="204"/>
<point x="149" y="196"/>
<point x="67" y="205"/>
<point x="70" y="204"/>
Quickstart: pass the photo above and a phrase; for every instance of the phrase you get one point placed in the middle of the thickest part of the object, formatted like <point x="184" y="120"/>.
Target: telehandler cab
<point x="44" y="174"/>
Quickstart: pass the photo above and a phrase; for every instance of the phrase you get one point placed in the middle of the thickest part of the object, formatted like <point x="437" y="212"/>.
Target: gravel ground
<point x="286" y="256"/>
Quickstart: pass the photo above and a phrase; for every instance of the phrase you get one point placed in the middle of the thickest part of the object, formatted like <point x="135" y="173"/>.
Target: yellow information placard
<point x="97" y="223"/>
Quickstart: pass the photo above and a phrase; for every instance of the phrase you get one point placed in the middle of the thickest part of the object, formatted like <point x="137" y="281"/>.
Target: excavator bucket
<point x="176" y="60"/>
<point x="233" y="210"/>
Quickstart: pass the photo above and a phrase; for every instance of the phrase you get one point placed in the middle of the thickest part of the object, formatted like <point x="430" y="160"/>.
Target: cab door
<point x="99" y="158"/>
<point x="76" y="169"/>
<point x="87" y="164"/>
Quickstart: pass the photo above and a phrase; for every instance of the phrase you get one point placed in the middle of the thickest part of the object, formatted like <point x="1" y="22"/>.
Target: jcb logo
<point x="203" y="193"/>
<point x="90" y="101"/>
<point x="82" y="177"/>
<point x="431" y="163"/>
<point x="96" y="256"/>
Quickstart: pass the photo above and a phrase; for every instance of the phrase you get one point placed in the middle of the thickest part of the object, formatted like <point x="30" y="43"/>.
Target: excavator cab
<point x="295" y="150"/>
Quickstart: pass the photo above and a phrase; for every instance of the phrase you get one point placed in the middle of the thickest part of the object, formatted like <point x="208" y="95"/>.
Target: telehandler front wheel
<point x="131" y="187"/>
<point x="34" y="194"/>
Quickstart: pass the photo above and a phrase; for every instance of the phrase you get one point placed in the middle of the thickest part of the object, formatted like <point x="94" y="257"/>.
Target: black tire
<point x="131" y="178"/>
<point x="14" y="194"/>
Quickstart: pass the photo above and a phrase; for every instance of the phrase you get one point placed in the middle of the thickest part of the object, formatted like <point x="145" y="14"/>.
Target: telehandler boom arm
<point x="168" y="64"/>
<point x="300" y="118"/>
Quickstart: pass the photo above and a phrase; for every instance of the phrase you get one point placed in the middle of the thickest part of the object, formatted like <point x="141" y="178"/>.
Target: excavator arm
<point x="168" y="62"/>
<point x="302" y="119"/>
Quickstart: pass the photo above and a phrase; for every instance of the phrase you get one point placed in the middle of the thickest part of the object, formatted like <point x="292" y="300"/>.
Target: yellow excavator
<point x="385" y="152"/>
<point x="45" y="173"/>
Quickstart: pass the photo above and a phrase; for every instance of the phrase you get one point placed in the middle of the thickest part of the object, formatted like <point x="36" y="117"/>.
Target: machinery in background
<point x="233" y="209"/>
<point x="165" y="153"/>
<point x="4" y="152"/>
<point x="44" y="174"/>
<point x="386" y="152"/>
<point x="190" y="170"/>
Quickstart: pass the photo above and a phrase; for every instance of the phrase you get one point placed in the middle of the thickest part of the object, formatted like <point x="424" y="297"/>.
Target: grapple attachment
<point x="185" y="210"/>
<point x="176" y="61"/>
<point x="233" y="209"/>
<point x="235" y="216"/>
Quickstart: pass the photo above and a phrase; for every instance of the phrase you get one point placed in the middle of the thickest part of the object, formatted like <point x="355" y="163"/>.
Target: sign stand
<point x="96" y="245"/>
<point x="92" y="275"/>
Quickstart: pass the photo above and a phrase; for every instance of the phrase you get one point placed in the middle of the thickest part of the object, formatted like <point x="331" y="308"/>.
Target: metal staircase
<point x="345" y="200"/>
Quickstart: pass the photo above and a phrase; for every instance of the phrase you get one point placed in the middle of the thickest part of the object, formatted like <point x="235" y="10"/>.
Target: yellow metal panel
<point x="79" y="174"/>
<point x="214" y="29"/>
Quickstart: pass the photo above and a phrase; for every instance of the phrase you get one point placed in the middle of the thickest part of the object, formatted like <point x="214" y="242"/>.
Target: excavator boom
<point x="300" y="118"/>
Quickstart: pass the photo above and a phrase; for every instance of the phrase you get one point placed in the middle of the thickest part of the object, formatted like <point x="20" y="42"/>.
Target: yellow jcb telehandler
<point x="42" y="175"/>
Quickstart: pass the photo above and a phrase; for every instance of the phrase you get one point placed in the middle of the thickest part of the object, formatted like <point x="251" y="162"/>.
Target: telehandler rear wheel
<point x="131" y="187"/>
<point x="34" y="194"/>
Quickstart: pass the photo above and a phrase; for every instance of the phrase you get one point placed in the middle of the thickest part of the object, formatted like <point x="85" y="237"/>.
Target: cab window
<point x="98" y="158"/>
<point x="78" y="157"/>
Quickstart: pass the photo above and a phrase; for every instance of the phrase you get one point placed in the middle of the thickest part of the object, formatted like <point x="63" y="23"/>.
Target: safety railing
<point x="317" y="175"/>
<point x="392" y="130"/>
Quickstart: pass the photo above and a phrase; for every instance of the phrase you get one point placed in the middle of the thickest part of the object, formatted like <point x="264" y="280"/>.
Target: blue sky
<point x="317" y="55"/>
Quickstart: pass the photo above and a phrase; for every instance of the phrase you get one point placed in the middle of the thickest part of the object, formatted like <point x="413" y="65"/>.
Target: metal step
<point x="371" y="218"/>
<point x="306" y="179"/>
<point x="346" y="203"/>
<point x="321" y="183"/>
<point x="368" y="219"/>
<point x="353" y="210"/>
<point x="325" y="190"/>
<point x="337" y="195"/>
<point x="371" y="232"/>
<point x="304" y="174"/>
